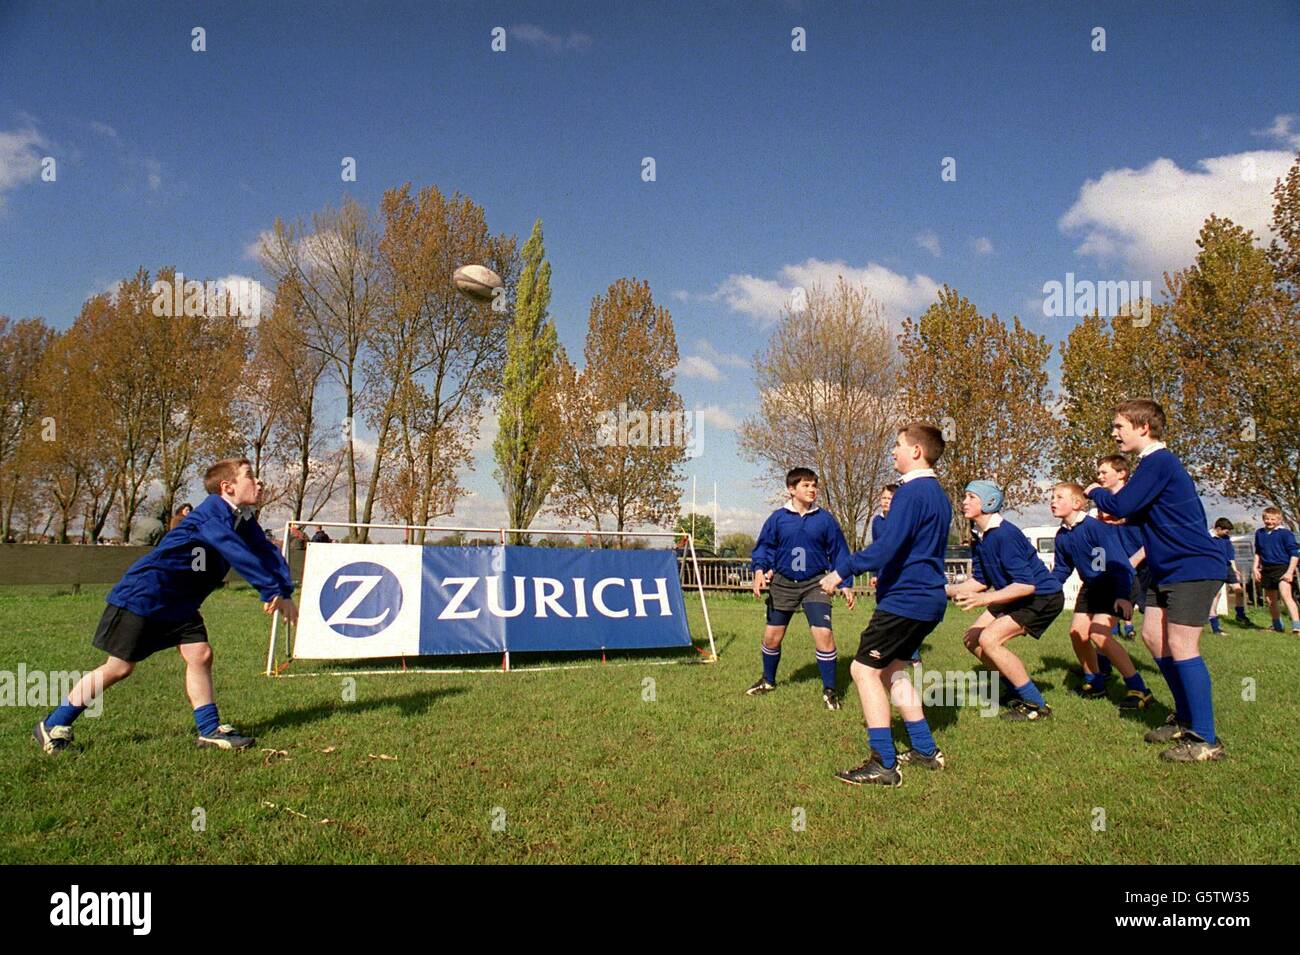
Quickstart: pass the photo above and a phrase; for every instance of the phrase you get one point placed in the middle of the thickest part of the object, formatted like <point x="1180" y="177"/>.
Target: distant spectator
<point x="299" y="538"/>
<point x="320" y="537"/>
<point x="9" y="538"/>
<point x="181" y="513"/>
<point x="147" y="531"/>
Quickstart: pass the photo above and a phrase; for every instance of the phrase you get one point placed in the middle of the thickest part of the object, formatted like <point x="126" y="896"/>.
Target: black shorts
<point x="1141" y="583"/>
<point x="1035" y="613"/>
<point x="1187" y="603"/>
<point x="785" y="596"/>
<point x="129" y="636"/>
<point x="1271" y="575"/>
<point x="1097" y="596"/>
<point x="889" y="637"/>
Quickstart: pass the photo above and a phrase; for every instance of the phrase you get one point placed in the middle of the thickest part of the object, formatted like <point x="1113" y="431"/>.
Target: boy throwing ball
<point x="156" y="603"/>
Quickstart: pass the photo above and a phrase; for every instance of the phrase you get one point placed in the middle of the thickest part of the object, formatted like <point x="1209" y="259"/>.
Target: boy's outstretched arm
<point x="270" y="582"/>
<point x="1143" y="487"/>
<point x="877" y="553"/>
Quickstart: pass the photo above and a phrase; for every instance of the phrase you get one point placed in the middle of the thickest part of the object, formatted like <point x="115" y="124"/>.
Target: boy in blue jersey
<point x="156" y="603"/>
<point x="1093" y="550"/>
<point x="878" y="522"/>
<point x="1232" y="578"/>
<point x="1186" y="573"/>
<point x="1022" y="596"/>
<point x="797" y="545"/>
<point x="1275" y="562"/>
<point x="1112" y="472"/>
<point x="910" y="602"/>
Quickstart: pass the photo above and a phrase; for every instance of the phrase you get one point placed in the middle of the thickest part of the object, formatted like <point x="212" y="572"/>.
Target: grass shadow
<point x="408" y="704"/>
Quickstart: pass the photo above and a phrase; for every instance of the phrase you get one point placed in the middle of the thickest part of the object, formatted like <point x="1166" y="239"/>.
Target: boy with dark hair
<point x="1275" y="562"/>
<point x="1092" y="549"/>
<point x="1186" y="573"/>
<point x="156" y="603"/>
<point x="910" y="602"/>
<point x="1011" y="580"/>
<point x="1232" y="579"/>
<point x="797" y="545"/>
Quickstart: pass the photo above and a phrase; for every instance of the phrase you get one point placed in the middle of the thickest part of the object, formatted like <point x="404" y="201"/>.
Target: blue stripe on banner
<point x="528" y="599"/>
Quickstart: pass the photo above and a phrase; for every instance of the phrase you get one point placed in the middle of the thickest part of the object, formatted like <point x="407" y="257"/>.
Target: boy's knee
<point x="198" y="654"/>
<point x="988" y="641"/>
<point x="119" y="668"/>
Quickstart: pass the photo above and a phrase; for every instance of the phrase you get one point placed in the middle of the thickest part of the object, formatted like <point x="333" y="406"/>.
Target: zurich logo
<point x="360" y="599"/>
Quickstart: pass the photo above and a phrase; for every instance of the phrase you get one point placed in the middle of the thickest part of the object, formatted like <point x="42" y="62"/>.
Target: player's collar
<point x="995" y="520"/>
<point x="789" y="506"/>
<point x="1150" y="449"/>
<point x="1070" y="525"/>
<point x="917" y="473"/>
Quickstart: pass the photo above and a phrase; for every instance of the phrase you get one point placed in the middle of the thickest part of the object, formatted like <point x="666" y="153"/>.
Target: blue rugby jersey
<point x="800" y="547"/>
<point x="1161" y="500"/>
<point x="1277" y="546"/>
<point x="1003" y="555"/>
<point x="1087" y="543"/>
<point x="908" y="556"/>
<point x="164" y="582"/>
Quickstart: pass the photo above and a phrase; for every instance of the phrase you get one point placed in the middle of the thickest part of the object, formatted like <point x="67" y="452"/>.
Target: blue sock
<point x="771" y="657"/>
<point x="1277" y="624"/>
<point x="64" y="715"/>
<point x="1241" y="613"/>
<point x="1096" y="679"/>
<point x="1195" y="677"/>
<point x="916" y="655"/>
<point x="1029" y="693"/>
<point x="826" y="664"/>
<point x="206" y="719"/>
<point x="1135" y="682"/>
<point x="918" y="732"/>
<point x="1103" y="665"/>
<point x="1171" y="674"/>
<point x="1214" y="625"/>
<point x="882" y="741"/>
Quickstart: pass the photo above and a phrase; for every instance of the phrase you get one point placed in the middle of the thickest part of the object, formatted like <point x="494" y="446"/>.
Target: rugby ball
<point x="477" y="281"/>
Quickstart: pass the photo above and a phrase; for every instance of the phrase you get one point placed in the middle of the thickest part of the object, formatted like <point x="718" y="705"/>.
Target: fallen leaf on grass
<point x="272" y="754"/>
<point x="329" y="749"/>
<point x="381" y="756"/>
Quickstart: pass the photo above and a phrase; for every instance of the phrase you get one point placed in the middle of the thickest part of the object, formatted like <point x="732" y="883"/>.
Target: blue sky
<point x="774" y="168"/>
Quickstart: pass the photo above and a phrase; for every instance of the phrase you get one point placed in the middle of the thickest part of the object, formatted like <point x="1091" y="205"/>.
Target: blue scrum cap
<point x="990" y="495"/>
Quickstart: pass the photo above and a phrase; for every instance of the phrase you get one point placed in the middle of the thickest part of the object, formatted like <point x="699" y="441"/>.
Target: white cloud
<point x="763" y="299"/>
<point x="725" y="359"/>
<point x="930" y="242"/>
<point x="1282" y="130"/>
<point x="103" y="129"/>
<point x="718" y="417"/>
<point x="254" y="249"/>
<point x="20" y="158"/>
<point x="982" y="246"/>
<point x="693" y="366"/>
<point x="1149" y="218"/>
<point x="153" y="172"/>
<point x="533" y="35"/>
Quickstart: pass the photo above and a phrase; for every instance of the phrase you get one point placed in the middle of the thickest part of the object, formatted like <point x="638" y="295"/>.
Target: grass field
<point x="576" y="766"/>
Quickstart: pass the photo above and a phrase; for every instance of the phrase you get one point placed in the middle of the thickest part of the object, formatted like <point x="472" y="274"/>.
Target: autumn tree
<point x="1103" y="362"/>
<point x="333" y="269"/>
<point x="434" y="353"/>
<point x="525" y="471"/>
<point x="22" y="349"/>
<point x="827" y="386"/>
<point x="621" y="438"/>
<point x="984" y="383"/>
<point x="1236" y="313"/>
<point x="703" y="529"/>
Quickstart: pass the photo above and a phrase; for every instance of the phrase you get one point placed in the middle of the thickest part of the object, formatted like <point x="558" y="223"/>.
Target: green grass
<point x="586" y="771"/>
